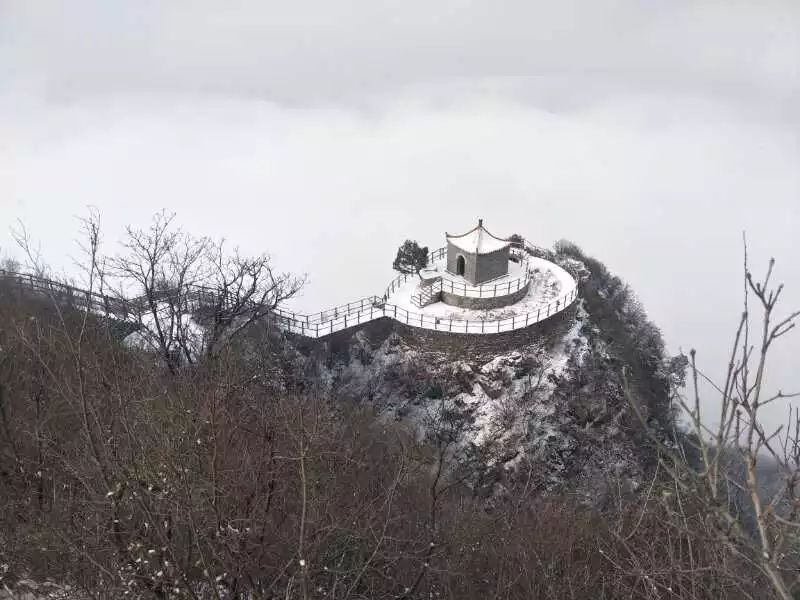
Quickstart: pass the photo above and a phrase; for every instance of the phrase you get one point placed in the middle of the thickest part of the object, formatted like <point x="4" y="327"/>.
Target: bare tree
<point x="31" y="251"/>
<point x="718" y="465"/>
<point x="190" y="296"/>
<point x="243" y="291"/>
<point x="125" y="480"/>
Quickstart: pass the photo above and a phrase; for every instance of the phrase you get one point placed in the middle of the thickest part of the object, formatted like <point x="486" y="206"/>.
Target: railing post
<point x="466" y="327"/>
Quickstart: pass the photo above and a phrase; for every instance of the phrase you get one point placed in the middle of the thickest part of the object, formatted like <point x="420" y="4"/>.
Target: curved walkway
<point x="394" y="304"/>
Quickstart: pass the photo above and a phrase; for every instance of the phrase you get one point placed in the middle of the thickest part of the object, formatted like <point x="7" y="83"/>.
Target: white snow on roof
<point x="477" y="241"/>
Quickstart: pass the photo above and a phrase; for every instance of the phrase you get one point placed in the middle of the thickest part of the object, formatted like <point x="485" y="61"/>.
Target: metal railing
<point x="521" y="250"/>
<point x="484" y="290"/>
<point x="69" y="295"/>
<point x="371" y="308"/>
<point x="297" y="323"/>
<point x="351" y="308"/>
<point x="426" y="295"/>
<point x="481" y="291"/>
<point x="318" y="324"/>
<point x="191" y="298"/>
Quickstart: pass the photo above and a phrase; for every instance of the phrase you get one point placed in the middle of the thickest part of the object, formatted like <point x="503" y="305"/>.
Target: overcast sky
<point x="650" y="133"/>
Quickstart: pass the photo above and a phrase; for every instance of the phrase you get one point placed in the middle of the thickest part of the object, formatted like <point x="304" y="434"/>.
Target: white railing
<point x="69" y="295"/>
<point x="329" y="321"/>
<point x="522" y="250"/>
<point x="351" y="308"/>
<point x="371" y="308"/>
<point x="484" y="290"/>
<point x="488" y="290"/>
<point x="298" y="323"/>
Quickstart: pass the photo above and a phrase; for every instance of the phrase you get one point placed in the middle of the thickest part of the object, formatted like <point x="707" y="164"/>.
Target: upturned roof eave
<point x="476" y="250"/>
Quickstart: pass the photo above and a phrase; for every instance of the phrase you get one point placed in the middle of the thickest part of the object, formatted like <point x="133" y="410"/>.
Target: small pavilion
<point x="477" y="255"/>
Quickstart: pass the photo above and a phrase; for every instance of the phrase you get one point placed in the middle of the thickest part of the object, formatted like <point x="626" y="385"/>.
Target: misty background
<point x="650" y="133"/>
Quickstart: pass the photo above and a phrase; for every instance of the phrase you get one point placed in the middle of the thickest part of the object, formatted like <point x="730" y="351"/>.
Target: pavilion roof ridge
<point x="478" y="240"/>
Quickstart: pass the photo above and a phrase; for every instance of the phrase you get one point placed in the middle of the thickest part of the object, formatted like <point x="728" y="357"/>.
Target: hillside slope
<point x="549" y="411"/>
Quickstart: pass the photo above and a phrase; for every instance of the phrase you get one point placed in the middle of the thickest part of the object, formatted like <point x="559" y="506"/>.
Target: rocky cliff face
<point x="548" y="412"/>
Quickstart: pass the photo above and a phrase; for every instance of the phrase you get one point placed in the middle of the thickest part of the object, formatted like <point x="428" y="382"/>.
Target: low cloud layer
<point x="651" y="134"/>
<point x="309" y="51"/>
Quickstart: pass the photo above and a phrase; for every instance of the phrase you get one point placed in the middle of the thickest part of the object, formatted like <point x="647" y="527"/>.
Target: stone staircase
<point x="427" y="293"/>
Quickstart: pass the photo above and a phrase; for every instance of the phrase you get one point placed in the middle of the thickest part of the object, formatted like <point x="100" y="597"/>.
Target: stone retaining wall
<point x="474" y="346"/>
<point x="485" y="303"/>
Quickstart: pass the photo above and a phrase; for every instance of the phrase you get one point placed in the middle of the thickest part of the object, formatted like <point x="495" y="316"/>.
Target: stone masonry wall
<point x="452" y="258"/>
<point x="488" y="345"/>
<point x="485" y="303"/>
<point x="459" y="344"/>
<point x="491" y="266"/>
<point x="478" y="267"/>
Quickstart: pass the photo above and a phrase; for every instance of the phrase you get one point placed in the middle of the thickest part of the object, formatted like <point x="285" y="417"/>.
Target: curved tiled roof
<point x="478" y="240"/>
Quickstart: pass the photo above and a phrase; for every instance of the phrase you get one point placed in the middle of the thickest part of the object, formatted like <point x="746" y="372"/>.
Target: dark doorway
<point x="460" y="265"/>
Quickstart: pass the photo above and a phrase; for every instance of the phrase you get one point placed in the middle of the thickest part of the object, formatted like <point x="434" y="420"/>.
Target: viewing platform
<point x="525" y="289"/>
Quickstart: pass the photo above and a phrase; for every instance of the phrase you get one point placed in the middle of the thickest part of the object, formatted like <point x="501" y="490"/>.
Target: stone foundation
<point x="476" y="346"/>
<point x="485" y="303"/>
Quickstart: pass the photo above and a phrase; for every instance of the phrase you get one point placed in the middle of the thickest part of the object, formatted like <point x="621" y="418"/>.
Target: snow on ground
<point x="574" y="343"/>
<point x="508" y="404"/>
<point x="549" y="282"/>
<point x="193" y="333"/>
<point x="506" y="416"/>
